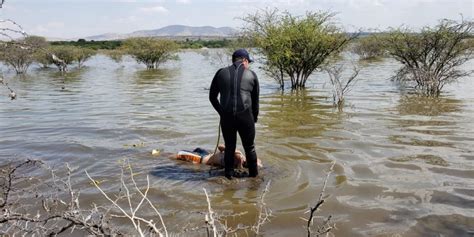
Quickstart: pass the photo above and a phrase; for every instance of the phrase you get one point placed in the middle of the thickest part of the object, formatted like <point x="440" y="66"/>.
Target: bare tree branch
<point x="210" y="216"/>
<point x="325" y="227"/>
<point x="57" y="215"/>
<point x="132" y="214"/>
<point x="264" y="212"/>
<point x="340" y="87"/>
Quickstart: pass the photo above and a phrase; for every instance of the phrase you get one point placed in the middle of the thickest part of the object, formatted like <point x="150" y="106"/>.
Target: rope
<point x="217" y="145"/>
<point x="218" y="137"/>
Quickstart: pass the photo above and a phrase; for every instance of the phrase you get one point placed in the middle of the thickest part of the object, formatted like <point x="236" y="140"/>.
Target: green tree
<point x="431" y="58"/>
<point x="43" y="58"/>
<point x="151" y="51"/>
<point x="369" y="47"/>
<point x="83" y="54"/>
<point x="65" y="53"/>
<point x="295" y="46"/>
<point x="115" y="54"/>
<point x="20" y="54"/>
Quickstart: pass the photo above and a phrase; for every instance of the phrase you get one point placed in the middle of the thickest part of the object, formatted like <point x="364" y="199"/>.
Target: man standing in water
<point x="237" y="106"/>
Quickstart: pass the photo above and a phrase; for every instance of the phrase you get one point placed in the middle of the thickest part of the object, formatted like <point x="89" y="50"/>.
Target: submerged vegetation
<point x="294" y="47"/>
<point x="20" y="54"/>
<point x="431" y="58"/>
<point x="150" y="51"/>
<point x="370" y="47"/>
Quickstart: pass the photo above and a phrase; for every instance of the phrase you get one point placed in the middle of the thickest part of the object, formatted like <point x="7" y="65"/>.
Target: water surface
<point x="404" y="163"/>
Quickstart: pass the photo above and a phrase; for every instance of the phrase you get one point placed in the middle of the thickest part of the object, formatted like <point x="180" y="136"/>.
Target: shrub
<point x="294" y="47"/>
<point x="431" y="58"/>
<point x="369" y="47"/>
<point x="20" y="54"/>
<point x="151" y="51"/>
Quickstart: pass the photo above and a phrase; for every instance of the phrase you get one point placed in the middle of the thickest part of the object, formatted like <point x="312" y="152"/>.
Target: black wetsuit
<point x="238" y="109"/>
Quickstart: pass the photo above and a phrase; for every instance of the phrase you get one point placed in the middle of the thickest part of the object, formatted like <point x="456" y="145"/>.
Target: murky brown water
<point x="404" y="163"/>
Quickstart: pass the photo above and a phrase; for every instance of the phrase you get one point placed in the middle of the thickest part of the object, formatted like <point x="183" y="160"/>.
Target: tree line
<point x="20" y="54"/>
<point x="291" y="47"/>
<point x="187" y="43"/>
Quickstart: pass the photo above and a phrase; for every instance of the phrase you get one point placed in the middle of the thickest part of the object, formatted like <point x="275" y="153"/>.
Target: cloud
<point x="154" y="9"/>
<point x="183" y="1"/>
<point x="48" y="27"/>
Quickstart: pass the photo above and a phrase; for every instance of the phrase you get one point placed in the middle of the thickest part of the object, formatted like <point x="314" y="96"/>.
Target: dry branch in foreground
<point x="45" y="209"/>
<point x="216" y="225"/>
<point x="143" y="226"/>
<point x="326" y="226"/>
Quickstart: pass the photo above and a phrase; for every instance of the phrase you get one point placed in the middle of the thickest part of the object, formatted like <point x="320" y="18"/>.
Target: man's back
<point x="238" y="89"/>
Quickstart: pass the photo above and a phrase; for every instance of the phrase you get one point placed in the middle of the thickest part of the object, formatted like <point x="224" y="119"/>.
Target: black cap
<point x="241" y="53"/>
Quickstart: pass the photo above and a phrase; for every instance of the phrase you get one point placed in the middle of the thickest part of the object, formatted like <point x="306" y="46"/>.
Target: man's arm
<point x="255" y="99"/>
<point x="214" y="92"/>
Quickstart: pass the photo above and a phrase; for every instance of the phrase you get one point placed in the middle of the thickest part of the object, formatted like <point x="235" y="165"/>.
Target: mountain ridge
<point x="171" y="31"/>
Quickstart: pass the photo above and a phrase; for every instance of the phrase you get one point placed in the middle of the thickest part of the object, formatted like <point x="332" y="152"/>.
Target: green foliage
<point x="35" y="42"/>
<point x="116" y="44"/>
<point x="199" y="43"/>
<point x="21" y="54"/>
<point x="432" y="58"/>
<point x="43" y="58"/>
<point x="295" y="46"/>
<point x="68" y="54"/>
<point x="65" y="53"/>
<point x="151" y="51"/>
<point x="369" y="47"/>
<point x="82" y="54"/>
<point x="115" y="54"/>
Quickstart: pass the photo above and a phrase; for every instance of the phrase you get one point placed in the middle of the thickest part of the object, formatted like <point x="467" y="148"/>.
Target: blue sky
<point x="81" y="18"/>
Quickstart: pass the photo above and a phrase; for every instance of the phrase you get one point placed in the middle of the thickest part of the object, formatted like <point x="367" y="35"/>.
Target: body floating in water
<point x="202" y="156"/>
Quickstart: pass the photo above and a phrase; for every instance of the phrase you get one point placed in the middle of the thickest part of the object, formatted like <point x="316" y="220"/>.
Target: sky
<point x="68" y="19"/>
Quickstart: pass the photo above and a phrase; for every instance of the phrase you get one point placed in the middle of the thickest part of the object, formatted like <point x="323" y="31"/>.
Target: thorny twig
<point x="7" y="31"/>
<point x="132" y="213"/>
<point x="210" y="217"/>
<point x="55" y="215"/>
<point x="8" y="176"/>
<point x="264" y="212"/>
<point x="340" y="88"/>
<point x="12" y="94"/>
<point x="217" y="224"/>
<point x="325" y="227"/>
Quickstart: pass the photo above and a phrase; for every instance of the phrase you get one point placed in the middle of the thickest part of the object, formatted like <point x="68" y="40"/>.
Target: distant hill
<point x="108" y="36"/>
<point x="171" y="31"/>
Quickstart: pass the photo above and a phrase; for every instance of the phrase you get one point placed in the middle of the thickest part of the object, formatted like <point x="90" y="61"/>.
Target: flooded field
<point x="404" y="163"/>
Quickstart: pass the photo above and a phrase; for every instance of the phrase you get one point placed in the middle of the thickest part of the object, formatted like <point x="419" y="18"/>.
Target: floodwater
<point x="404" y="163"/>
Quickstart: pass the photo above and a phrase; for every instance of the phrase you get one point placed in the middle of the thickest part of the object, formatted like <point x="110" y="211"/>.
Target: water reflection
<point x="70" y="75"/>
<point x="296" y="114"/>
<point x="147" y="76"/>
<point x="423" y="121"/>
<point x="428" y="106"/>
<point x="428" y="159"/>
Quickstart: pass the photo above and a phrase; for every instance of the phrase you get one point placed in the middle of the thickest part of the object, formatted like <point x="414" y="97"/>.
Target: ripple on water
<point x="403" y="162"/>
